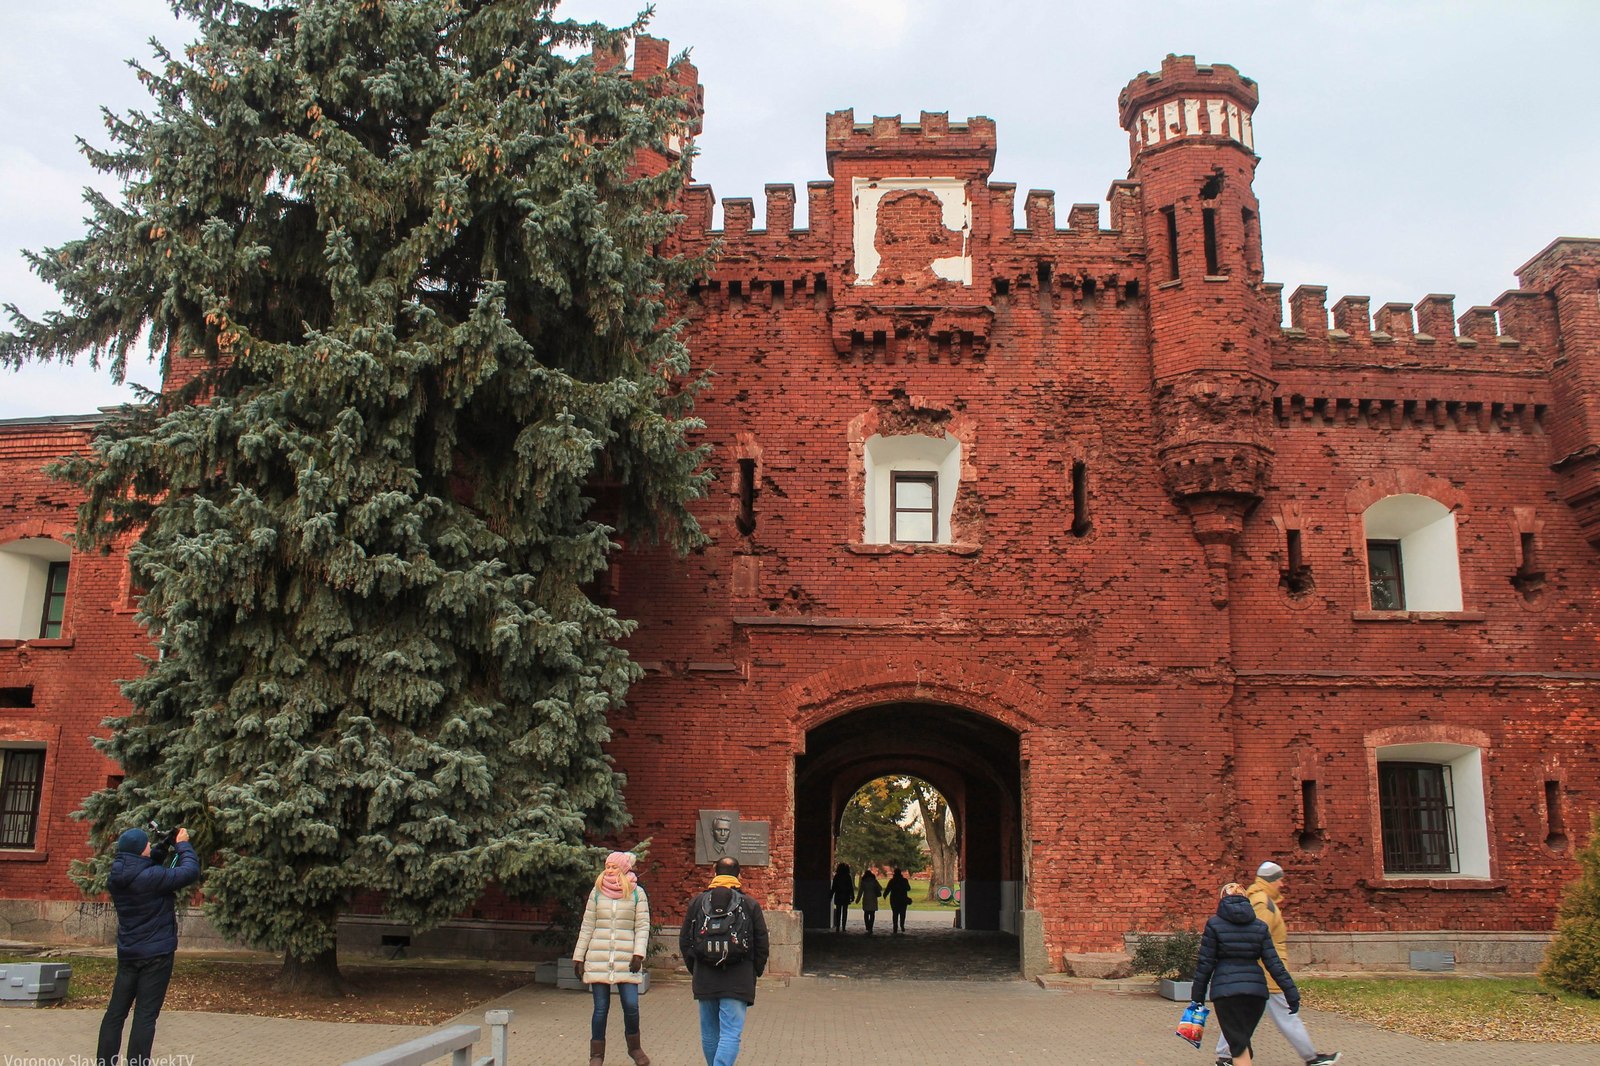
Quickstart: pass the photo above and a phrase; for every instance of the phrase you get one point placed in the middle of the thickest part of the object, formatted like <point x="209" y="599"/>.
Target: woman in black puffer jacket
<point x="1233" y="949"/>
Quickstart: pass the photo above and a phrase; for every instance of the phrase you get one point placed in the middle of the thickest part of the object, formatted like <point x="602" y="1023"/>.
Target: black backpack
<point x="723" y="936"/>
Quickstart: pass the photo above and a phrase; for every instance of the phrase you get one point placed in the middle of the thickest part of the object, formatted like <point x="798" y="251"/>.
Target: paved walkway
<point x="876" y="1017"/>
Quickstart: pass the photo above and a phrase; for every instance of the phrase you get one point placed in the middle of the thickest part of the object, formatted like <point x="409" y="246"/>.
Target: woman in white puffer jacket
<point x="611" y="949"/>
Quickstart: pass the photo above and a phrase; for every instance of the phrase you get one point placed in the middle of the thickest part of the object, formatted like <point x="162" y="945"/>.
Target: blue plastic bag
<point x="1192" y="1026"/>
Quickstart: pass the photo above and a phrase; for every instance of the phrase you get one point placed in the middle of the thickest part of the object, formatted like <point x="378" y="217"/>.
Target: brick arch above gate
<point x="952" y="681"/>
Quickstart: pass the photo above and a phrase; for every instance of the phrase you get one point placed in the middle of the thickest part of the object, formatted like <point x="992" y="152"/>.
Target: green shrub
<point x="1572" y="962"/>
<point x="1171" y="955"/>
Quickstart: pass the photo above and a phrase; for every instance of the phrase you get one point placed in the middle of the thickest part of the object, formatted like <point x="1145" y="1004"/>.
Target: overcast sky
<point x="1406" y="148"/>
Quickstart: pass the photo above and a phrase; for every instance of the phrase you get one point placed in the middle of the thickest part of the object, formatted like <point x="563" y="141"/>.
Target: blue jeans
<point x="142" y="985"/>
<point x="629" y="994"/>
<point x="721" y="1027"/>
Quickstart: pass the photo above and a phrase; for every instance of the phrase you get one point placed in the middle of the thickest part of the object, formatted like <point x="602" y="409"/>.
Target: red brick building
<point x="1067" y="522"/>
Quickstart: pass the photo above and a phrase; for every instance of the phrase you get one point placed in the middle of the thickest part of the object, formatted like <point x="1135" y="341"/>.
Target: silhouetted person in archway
<point x="868" y="893"/>
<point x="843" y="891"/>
<point x="899" y="892"/>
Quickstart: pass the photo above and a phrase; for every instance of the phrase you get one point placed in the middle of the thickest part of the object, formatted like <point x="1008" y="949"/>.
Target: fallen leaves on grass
<point x="1460" y="1008"/>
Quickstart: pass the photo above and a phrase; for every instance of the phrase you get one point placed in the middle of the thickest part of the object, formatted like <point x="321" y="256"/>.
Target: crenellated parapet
<point x="910" y="248"/>
<point x="1427" y="332"/>
<point x="889" y="139"/>
<point x="1414" y="366"/>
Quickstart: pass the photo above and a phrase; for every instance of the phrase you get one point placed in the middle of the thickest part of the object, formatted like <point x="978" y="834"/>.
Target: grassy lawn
<point x="1459" y="1008"/>
<point x="920" y="900"/>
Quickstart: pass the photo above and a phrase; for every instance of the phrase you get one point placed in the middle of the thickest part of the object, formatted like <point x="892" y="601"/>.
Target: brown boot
<point x="635" y="1052"/>
<point x="597" y="1053"/>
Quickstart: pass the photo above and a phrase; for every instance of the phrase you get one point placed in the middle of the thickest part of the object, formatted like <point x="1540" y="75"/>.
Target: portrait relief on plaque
<point x="720" y="834"/>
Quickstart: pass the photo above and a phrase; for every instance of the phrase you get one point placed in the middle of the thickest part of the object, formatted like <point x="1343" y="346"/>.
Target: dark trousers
<point x="142" y="985"/>
<point x="899" y="912"/>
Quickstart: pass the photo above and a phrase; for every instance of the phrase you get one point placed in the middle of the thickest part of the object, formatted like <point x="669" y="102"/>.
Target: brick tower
<point x="1210" y="319"/>
<point x="1567" y="274"/>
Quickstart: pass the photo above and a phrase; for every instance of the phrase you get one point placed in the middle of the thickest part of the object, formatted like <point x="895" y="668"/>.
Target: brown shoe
<point x="597" y="1053"/>
<point x="635" y="1052"/>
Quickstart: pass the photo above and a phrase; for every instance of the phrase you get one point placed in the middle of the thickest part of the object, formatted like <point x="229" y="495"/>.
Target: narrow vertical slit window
<point x="1555" y="821"/>
<point x="1208" y="220"/>
<point x="1530" y="568"/>
<point x="55" y="601"/>
<point x="1384" y="579"/>
<point x="1252" y="243"/>
<point x="1171" y="214"/>
<point x="1080" y="498"/>
<point x="21" y="771"/>
<point x="746" y="522"/>
<point x="913" y="508"/>
<point x="1310" y="816"/>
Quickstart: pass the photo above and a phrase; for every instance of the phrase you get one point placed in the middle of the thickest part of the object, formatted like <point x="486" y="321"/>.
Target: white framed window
<point x="1412" y="561"/>
<point x="911" y="483"/>
<point x="33" y="588"/>
<point x="1431" y="811"/>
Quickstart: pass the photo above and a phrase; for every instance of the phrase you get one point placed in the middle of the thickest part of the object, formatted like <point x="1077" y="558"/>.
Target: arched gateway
<point x="958" y="726"/>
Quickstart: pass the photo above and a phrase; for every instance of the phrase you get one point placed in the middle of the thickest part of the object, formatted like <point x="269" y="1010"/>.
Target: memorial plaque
<point x="719" y="834"/>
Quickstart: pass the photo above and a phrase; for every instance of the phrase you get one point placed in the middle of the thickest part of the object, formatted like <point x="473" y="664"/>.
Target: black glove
<point x="1294" y="1005"/>
<point x="637" y="964"/>
<point x="577" y="967"/>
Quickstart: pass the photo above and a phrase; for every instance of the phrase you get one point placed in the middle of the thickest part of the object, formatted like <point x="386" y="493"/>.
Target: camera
<point x="163" y="844"/>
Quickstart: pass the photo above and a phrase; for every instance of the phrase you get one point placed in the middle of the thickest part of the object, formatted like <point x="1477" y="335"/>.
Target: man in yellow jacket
<point x="1266" y="896"/>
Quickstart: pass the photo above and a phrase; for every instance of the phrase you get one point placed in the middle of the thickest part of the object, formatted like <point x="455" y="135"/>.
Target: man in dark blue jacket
<point x="147" y="939"/>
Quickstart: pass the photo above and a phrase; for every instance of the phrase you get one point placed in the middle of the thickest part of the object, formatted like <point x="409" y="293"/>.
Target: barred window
<point x="21" y="773"/>
<point x="1418" y="815"/>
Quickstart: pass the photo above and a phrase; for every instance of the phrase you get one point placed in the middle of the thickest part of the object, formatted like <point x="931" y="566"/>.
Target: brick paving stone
<point x="805" y="1021"/>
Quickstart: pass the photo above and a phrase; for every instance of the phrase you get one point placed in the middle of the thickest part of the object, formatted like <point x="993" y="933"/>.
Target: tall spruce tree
<point x="408" y="287"/>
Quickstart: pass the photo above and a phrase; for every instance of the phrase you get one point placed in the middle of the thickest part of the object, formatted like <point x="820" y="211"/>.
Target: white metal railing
<point x="455" y="1041"/>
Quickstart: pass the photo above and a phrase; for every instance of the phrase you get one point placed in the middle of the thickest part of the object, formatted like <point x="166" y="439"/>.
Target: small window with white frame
<point x="33" y="588"/>
<point x="911" y="484"/>
<point x="913" y="507"/>
<point x="1412" y="562"/>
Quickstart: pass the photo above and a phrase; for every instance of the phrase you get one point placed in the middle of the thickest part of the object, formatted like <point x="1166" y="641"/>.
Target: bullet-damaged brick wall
<point x="1130" y="702"/>
<point x="73" y="680"/>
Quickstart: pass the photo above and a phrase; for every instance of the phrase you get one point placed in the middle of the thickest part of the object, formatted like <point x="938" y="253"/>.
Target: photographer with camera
<point x="143" y="890"/>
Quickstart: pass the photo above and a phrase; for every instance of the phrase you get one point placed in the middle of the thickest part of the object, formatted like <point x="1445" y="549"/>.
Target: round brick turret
<point x="1187" y="101"/>
<point x="1192" y="142"/>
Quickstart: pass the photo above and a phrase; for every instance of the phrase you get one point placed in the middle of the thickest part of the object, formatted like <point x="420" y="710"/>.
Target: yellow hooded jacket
<point x="1264" y="897"/>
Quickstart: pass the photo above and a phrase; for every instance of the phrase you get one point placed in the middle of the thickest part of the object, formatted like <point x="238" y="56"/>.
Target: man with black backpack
<point x="724" y="945"/>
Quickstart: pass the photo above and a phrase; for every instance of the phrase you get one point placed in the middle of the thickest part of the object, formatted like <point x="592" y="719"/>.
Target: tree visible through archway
<point x="900" y="822"/>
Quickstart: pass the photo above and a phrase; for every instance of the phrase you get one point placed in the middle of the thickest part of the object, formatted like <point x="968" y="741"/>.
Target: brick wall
<point x="1128" y="699"/>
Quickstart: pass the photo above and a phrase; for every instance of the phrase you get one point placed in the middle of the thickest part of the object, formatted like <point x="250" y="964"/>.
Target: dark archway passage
<point x="974" y="762"/>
